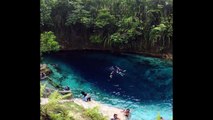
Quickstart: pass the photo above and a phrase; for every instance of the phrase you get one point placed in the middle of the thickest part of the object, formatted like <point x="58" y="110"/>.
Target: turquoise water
<point x="146" y="87"/>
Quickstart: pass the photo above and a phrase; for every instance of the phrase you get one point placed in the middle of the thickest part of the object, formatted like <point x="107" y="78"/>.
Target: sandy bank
<point x="104" y="109"/>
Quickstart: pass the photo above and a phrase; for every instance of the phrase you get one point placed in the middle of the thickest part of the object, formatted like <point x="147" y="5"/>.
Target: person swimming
<point x="119" y="69"/>
<point x="112" y="68"/>
<point x="111" y="74"/>
<point x="116" y="70"/>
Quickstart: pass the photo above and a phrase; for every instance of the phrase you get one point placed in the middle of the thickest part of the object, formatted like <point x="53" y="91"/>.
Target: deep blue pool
<point x="146" y="87"/>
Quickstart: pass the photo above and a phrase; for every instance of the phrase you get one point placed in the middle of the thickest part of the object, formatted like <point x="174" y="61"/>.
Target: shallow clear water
<point x="146" y="87"/>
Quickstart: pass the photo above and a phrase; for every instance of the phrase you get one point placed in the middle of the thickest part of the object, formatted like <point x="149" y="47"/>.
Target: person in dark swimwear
<point x="43" y="75"/>
<point x="86" y="96"/>
<point x="115" y="117"/>
<point x="161" y="118"/>
<point x="67" y="88"/>
<point x="111" y="74"/>
<point x="83" y="93"/>
<point x="117" y="69"/>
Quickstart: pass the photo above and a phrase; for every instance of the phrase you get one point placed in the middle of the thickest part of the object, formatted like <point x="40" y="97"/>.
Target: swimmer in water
<point x="116" y="70"/>
<point x="111" y="74"/>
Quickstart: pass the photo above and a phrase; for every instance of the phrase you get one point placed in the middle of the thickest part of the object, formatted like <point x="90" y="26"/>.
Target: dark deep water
<point x="146" y="87"/>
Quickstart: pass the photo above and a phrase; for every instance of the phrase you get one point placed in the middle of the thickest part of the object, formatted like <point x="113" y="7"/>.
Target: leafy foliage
<point x="104" y="18"/>
<point x="128" y="29"/>
<point x="112" y="23"/>
<point x="48" y="42"/>
<point x="94" y="114"/>
<point x="78" y="14"/>
<point x="42" y="89"/>
<point x="95" y="39"/>
<point x="45" y="12"/>
<point x="54" y="110"/>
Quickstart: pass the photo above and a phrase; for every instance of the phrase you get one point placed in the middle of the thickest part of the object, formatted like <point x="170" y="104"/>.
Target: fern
<point x="94" y="114"/>
<point x="42" y="88"/>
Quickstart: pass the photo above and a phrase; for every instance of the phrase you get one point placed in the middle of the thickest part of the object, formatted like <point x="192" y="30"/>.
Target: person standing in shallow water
<point x="115" y="117"/>
<point x="161" y="118"/>
<point x="126" y="113"/>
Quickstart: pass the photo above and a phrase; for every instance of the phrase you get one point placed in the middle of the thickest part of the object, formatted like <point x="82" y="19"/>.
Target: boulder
<point x="44" y="69"/>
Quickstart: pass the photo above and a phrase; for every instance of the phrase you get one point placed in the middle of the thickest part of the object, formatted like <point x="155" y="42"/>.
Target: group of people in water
<point x="117" y="70"/>
<point x="86" y="97"/>
<point x="126" y="113"/>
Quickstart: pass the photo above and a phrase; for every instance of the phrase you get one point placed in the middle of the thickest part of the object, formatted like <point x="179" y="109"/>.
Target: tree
<point x="48" y="43"/>
<point x="45" y="11"/>
<point x="141" y="24"/>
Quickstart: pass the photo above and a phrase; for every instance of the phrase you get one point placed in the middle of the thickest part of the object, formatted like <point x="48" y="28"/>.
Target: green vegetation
<point x="94" y="114"/>
<point x="134" y="25"/>
<point x="53" y="110"/>
<point x="42" y="89"/>
<point x="48" y="42"/>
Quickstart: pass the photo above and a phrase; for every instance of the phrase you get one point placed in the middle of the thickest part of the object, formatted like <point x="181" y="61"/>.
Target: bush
<point x="48" y="42"/>
<point x="94" y="114"/>
<point x="95" y="39"/>
<point x="53" y="110"/>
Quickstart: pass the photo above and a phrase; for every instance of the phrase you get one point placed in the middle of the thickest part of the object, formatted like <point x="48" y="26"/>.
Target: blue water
<point x="146" y="87"/>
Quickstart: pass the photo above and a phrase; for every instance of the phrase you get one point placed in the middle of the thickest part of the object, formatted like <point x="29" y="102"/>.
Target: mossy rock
<point x="44" y="68"/>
